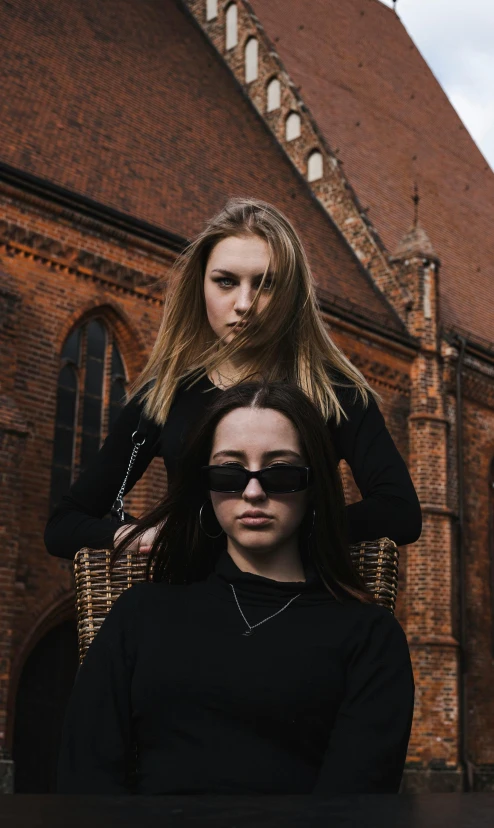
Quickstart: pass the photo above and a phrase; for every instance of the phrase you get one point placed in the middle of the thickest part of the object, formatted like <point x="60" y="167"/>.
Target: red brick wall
<point x="478" y="451"/>
<point x="333" y="190"/>
<point x="48" y="296"/>
<point x="56" y="269"/>
<point x="52" y="299"/>
<point x="479" y="447"/>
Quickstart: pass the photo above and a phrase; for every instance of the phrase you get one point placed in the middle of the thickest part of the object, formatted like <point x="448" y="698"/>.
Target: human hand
<point x="142" y="543"/>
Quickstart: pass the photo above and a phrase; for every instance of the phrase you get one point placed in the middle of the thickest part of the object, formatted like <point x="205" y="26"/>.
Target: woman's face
<point x="233" y="274"/>
<point x="253" y="520"/>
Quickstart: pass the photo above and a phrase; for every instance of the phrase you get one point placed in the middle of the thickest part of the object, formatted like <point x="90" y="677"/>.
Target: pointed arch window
<point x="292" y="126"/>
<point x="117" y="387"/>
<point x="231" y="26"/>
<point x="211" y="9"/>
<point x="90" y="394"/>
<point x="92" y="402"/>
<point x="251" y="60"/>
<point x="314" y="166"/>
<point x="65" y="418"/>
<point x="274" y="95"/>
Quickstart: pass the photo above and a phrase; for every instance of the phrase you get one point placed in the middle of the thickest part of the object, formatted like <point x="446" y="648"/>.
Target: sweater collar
<point x="257" y="589"/>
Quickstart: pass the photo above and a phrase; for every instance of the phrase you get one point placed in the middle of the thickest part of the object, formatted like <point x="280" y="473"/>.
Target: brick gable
<point x="130" y="105"/>
<point x="381" y="110"/>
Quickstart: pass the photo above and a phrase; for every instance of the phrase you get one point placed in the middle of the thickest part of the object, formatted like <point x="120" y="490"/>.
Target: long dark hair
<point x="182" y="553"/>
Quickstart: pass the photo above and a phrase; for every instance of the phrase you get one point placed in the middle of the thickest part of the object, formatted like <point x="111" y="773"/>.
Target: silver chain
<point x="221" y="378"/>
<point x="119" y="497"/>
<point x="252" y="626"/>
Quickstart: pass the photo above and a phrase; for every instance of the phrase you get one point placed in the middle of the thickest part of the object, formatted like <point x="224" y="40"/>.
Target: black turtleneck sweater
<point x="389" y="505"/>
<point x="317" y="700"/>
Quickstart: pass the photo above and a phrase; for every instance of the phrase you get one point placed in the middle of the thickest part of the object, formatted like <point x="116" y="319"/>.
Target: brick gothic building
<point x="124" y="126"/>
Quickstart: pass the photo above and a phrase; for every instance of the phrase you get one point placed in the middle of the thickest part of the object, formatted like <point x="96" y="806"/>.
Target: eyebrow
<point x="235" y="275"/>
<point x="268" y="455"/>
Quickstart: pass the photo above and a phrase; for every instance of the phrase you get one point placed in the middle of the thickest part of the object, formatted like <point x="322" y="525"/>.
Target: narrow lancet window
<point x="274" y="95"/>
<point x="211" y="9"/>
<point x="231" y="26"/>
<point x="251" y="60"/>
<point x="65" y="418"/>
<point x="90" y="394"/>
<point x="314" y="166"/>
<point x="292" y="127"/>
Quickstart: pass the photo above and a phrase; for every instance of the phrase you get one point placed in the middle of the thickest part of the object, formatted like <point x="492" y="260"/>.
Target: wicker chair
<point x="97" y="586"/>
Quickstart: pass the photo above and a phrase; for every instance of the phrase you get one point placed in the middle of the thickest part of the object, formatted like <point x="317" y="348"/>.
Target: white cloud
<point x="456" y="39"/>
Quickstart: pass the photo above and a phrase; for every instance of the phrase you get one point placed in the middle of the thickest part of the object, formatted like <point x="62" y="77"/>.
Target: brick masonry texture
<point x="479" y="436"/>
<point x="149" y="116"/>
<point x="333" y="189"/>
<point x="318" y="59"/>
<point x="49" y="301"/>
<point x="107" y="122"/>
<point x="377" y="103"/>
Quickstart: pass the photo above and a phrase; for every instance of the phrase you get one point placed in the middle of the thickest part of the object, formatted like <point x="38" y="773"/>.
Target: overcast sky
<point x="456" y="37"/>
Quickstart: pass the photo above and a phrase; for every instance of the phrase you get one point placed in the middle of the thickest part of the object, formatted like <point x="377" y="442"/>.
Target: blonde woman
<point x="241" y="305"/>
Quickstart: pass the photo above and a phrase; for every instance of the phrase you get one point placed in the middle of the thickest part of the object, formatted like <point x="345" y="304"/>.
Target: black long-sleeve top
<point x="319" y="699"/>
<point x="389" y="508"/>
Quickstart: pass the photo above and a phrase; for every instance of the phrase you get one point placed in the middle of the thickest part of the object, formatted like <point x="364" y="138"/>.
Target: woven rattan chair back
<point x="377" y="564"/>
<point x="98" y="585"/>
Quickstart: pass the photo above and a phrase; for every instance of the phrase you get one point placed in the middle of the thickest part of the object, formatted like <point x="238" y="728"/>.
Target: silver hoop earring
<point x="211" y="537"/>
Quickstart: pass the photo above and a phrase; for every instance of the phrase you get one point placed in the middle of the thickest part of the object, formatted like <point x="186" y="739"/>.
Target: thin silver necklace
<point x="221" y="378"/>
<point x="252" y="626"/>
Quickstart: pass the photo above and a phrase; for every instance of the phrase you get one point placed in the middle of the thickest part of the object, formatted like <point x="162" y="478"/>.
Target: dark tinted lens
<point x="227" y="479"/>
<point x="282" y="479"/>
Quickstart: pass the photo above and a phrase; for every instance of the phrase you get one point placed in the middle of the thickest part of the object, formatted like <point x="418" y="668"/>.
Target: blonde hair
<point x="286" y="340"/>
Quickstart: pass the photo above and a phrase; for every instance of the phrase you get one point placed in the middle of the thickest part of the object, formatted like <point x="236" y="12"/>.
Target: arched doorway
<point x="42" y="695"/>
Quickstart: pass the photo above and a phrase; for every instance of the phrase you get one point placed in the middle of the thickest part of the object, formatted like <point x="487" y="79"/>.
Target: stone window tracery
<point x="90" y="394"/>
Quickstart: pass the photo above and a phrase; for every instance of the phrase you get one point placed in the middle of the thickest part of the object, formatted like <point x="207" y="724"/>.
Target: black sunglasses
<point x="281" y="479"/>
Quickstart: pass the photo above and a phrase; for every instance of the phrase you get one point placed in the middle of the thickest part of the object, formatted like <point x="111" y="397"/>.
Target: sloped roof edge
<point x="63" y="197"/>
<point x="58" y="196"/>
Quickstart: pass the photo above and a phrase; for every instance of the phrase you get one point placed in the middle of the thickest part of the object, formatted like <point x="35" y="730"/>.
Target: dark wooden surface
<point x="426" y="811"/>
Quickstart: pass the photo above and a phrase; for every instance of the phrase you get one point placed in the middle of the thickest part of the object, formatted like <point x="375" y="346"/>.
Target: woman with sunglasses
<point x="255" y="661"/>
<point x="241" y="304"/>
